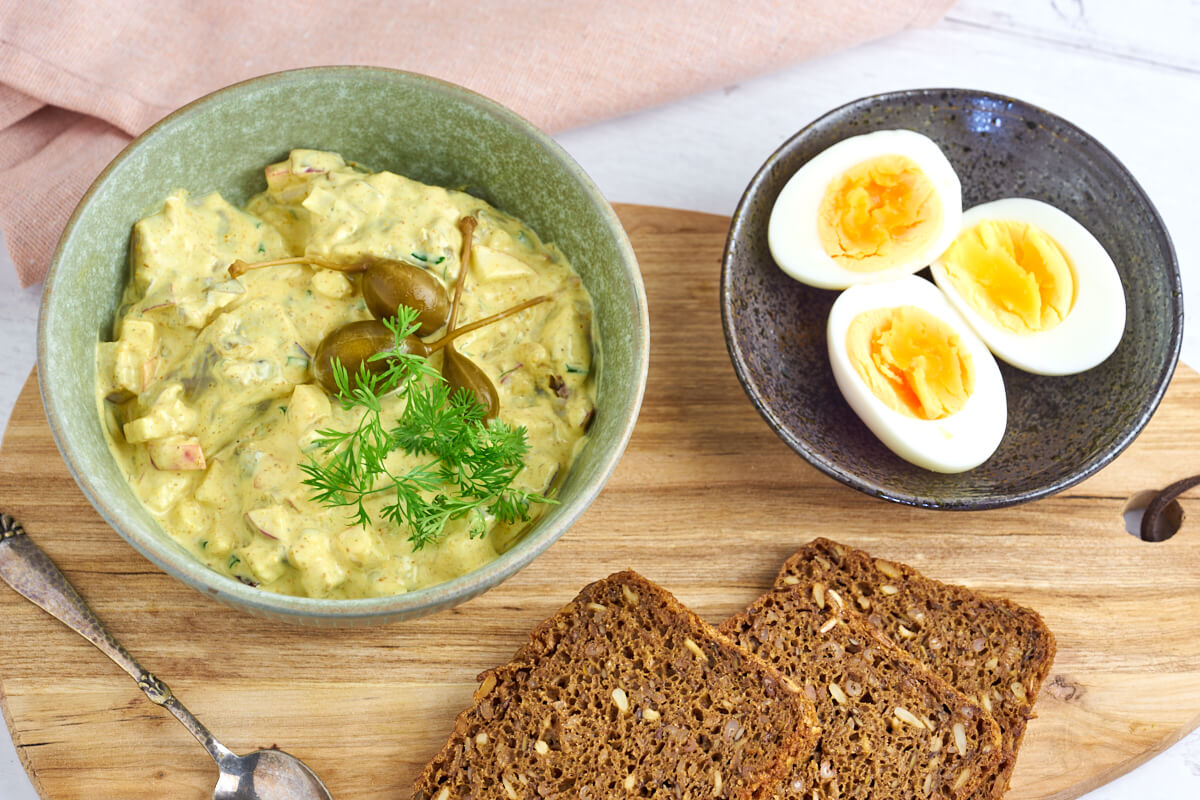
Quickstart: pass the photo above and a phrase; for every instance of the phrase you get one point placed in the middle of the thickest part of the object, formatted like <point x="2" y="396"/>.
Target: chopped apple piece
<point x="215" y="486"/>
<point x="194" y="518"/>
<point x="331" y="284"/>
<point x="494" y="265"/>
<point x="274" y="522"/>
<point x="168" y="416"/>
<point x="319" y="570"/>
<point x="309" y="403"/>
<point x="361" y="547"/>
<point x="218" y="542"/>
<point x="176" y="453"/>
<point x="166" y="490"/>
<point x="130" y="364"/>
<point x="265" y="561"/>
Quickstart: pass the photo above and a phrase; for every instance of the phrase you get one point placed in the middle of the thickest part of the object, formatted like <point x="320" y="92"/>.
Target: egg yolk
<point x="879" y="213"/>
<point x="911" y="360"/>
<point x="1013" y="274"/>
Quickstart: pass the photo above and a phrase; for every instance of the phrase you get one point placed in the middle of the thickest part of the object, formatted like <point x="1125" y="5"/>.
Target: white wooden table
<point x="1128" y="73"/>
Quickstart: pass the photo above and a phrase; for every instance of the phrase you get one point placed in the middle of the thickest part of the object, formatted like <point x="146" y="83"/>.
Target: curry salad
<point x="231" y="394"/>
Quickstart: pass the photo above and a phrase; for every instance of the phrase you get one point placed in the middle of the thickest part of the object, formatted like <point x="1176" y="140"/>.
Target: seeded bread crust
<point x="990" y="649"/>
<point x="624" y="693"/>
<point x="890" y="728"/>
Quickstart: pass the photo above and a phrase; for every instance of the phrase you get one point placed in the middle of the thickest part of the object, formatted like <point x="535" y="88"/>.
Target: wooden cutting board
<point x="707" y="501"/>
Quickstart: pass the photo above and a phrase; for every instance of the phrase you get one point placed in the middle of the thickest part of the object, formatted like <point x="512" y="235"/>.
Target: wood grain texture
<point x="707" y="501"/>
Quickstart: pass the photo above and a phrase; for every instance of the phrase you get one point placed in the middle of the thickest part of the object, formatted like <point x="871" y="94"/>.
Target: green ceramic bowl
<point x="407" y="123"/>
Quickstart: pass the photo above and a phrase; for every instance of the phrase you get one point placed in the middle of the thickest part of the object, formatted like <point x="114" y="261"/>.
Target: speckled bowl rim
<point x="307" y="610"/>
<point x="740" y="218"/>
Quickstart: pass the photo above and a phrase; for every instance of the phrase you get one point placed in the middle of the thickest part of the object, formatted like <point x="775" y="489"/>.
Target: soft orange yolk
<point x="879" y="213"/>
<point x="1013" y="274"/>
<point x="911" y="360"/>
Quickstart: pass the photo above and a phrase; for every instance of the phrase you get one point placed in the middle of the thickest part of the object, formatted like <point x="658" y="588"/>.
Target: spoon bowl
<point x="267" y="775"/>
<point x="262" y="775"/>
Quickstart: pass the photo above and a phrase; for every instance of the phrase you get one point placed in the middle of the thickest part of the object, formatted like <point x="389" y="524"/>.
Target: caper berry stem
<point x="355" y="343"/>
<point x="466" y="226"/>
<point x="239" y="268"/>
<point x="387" y="284"/>
<point x="450" y="336"/>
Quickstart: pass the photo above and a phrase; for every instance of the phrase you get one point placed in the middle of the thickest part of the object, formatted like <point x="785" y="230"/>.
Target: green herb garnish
<point x="472" y="463"/>
<point x="424" y="259"/>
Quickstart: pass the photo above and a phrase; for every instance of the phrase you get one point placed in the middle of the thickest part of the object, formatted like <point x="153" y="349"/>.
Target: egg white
<point x="956" y="443"/>
<point x="1096" y="322"/>
<point x="792" y="230"/>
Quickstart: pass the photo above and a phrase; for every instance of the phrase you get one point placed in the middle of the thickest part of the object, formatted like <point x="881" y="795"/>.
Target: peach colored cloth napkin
<point x="79" y="79"/>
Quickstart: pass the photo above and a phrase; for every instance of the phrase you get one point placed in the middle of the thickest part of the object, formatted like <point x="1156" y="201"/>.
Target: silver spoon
<point x="261" y="775"/>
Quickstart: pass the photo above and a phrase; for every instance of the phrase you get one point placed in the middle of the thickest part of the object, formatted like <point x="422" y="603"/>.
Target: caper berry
<point x="353" y="345"/>
<point x="387" y="284"/>
<point x="461" y="372"/>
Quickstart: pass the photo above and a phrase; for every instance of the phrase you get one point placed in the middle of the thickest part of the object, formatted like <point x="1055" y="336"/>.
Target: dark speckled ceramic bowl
<point x="1060" y="429"/>
<point x="384" y="119"/>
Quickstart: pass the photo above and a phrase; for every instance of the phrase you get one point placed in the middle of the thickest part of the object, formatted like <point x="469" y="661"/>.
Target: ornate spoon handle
<point x="1157" y="525"/>
<point x="28" y="570"/>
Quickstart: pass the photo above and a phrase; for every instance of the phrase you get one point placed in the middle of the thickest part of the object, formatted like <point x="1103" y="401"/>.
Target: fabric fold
<point x="38" y="194"/>
<point x="124" y="64"/>
<point x="15" y="106"/>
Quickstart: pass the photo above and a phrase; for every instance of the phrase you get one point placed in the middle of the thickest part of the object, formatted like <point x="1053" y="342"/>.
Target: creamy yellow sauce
<point x="211" y="406"/>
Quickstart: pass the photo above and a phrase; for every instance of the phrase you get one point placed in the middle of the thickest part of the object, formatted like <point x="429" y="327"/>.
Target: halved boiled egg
<point x="916" y="374"/>
<point x="870" y="208"/>
<point x="1035" y="285"/>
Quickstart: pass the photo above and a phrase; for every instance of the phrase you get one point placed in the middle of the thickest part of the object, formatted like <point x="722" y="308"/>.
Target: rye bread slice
<point x="990" y="649"/>
<point x="890" y="728"/>
<point x="624" y="693"/>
